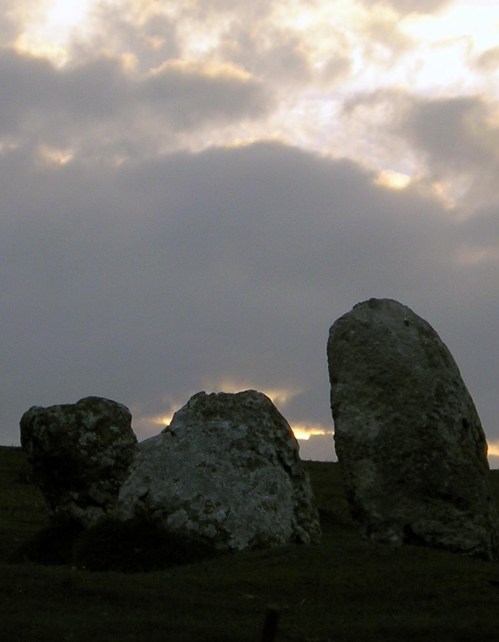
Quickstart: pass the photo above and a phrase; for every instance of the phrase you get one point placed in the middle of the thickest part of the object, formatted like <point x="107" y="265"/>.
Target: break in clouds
<point x="191" y="194"/>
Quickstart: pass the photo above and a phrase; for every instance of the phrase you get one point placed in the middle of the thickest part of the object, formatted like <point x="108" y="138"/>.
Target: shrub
<point x="52" y="545"/>
<point x="135" y="546"/>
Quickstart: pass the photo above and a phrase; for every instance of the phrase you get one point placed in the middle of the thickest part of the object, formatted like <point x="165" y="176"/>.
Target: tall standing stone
<point x="407" y="434"/>
<point x="80" y="455"/>
<point x="226" y="471"/>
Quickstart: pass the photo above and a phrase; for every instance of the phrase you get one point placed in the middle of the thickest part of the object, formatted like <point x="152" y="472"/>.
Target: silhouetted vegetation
<point x="344" y="590"/>
<point x="134" y="546"/>
<point x="128" y="547"/>
<point x="52" y="545"/>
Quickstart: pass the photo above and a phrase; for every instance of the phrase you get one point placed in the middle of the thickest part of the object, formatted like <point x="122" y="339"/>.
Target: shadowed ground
<point x="345" y="589"/>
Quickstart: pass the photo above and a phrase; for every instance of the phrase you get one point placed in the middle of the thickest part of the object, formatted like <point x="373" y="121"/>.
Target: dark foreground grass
<point x="344" y="590"/>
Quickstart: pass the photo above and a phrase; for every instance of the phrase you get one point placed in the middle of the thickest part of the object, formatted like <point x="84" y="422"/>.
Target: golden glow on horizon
<point x="493" y="449"/>
<point x="278" y="396"/>
<point x="304" y="432"/>
<point x="162" y="420"/>
<point x="301" y="431"/>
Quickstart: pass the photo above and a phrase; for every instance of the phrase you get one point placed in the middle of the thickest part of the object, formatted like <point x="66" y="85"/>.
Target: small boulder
<point x="225" y="471"/>
<point x="80" y="455"/>
<point x="407" y="434"/>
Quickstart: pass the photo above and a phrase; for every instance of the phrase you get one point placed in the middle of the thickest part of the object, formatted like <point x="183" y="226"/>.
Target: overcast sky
<point x="191" y="192"/>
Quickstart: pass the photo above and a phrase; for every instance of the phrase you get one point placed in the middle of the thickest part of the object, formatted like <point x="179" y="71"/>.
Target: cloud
<point x="193" y="93"/>
<point x="455" y="133"/>
<point x="167" y="228"/>
<point x="405" y="7"/>
<point x="381" y="40"/>
<point x="280" y="58"/>
<point x="155" y="32"/>
<point x="144" y="282"/>
<point x="448" y="144"/>
<point x="488" y="61"/>
<point x="284" y="43"/>
<point x="136" y="29"/>
<point x="284" y="70"/>
<point x="102" y="101"/>
<point x="458" y="141"/>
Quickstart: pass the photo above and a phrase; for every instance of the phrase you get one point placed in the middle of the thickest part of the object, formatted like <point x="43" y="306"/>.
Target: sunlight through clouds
<point x="313" y="58"/>
<point x="476" y="21"/>
<point x="57" y="156"/>
<point x="64" y="15"/>
<point x="493" y="454"/>
<point x="393" y="180"/>
<point x="49" y="33"/>
<point x="305" y="432"/>
<point x="279" y="396"/>
<point x="493" y="449"/>
<point x="243" y="168"/>
<point x="326" y="52"/>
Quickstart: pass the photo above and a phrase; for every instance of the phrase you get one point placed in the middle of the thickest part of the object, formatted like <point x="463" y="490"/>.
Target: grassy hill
<point x="345" y="590"/>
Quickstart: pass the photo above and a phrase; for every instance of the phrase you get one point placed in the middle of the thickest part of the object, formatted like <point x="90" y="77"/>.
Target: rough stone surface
<point x="407" y="434"/>
<point x="80" y="455"/>
<point x="226" y="470"/>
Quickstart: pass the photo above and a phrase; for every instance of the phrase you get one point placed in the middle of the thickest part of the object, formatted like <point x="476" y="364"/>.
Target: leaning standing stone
<point x="80" y="455"/>
<point x="407" y="434"/>
<point x="226" y="471"/>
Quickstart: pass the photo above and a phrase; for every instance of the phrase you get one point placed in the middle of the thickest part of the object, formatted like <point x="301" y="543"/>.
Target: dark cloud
<point x="458" y="139"/>
<point x="452" y="141"/>
<point x="455" y="133"/>
<point x="57" y="106"/>
<point x="146" y="283"/>
<point x="192" y="94"/>
<point x="23" y="84"/>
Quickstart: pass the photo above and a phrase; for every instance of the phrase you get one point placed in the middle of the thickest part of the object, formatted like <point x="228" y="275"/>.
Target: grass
<point x="343" y="590"/>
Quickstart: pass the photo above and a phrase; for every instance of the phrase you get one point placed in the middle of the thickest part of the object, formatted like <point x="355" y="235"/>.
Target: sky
<point x="192" y="192"/>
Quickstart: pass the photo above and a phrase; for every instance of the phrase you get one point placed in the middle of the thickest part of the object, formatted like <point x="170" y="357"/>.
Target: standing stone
<point x="407" y="434"/>
<point x="226" y="471"/>
<point x="80" y="455"/>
